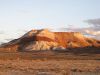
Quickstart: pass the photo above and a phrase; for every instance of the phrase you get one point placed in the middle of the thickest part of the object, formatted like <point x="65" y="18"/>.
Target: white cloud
<point x="92" y="32"/>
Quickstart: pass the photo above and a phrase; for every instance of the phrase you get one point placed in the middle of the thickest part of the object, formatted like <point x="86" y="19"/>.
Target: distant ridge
<point x="44" y="39"/>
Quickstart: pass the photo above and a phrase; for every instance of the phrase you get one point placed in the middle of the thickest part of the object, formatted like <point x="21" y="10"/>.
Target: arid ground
<point x="49" y="63"/>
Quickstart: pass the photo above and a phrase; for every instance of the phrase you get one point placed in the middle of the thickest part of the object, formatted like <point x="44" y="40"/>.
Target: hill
<point x="46" y="40"/>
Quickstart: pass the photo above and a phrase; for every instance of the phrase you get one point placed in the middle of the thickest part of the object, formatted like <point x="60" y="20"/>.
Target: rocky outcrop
<point x="40" y="45"/>
<point x="71" y="39"/>
<point x="46" y="40"/>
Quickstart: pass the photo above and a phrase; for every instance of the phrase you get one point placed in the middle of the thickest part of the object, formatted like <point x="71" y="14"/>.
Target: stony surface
<point x="49" y="67"/>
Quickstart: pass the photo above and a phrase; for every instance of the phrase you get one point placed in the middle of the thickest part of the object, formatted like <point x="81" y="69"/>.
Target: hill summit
<point x="46" y="40"/>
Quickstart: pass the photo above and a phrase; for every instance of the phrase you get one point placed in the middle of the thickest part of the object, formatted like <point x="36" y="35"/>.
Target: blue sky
<point x="19" y="15"/>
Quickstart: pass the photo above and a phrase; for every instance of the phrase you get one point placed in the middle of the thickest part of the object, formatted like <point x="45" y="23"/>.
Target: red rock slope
<point x="47" y="40"/>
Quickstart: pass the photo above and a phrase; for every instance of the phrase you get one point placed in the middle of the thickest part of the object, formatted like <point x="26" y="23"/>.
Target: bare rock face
<point x="46" y="33"/>
<point x="38" y="40"/>
<point x="40" y="45"/>
<point x="46" y="40"/>
<point x="71" y="39"/>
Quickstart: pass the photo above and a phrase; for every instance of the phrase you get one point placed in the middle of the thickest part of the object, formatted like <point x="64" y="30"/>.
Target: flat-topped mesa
<point x="44" y="39"/>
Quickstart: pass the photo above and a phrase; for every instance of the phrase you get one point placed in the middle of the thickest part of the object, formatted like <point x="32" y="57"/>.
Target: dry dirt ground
<point x="47" y="67"/>
<point x="47" y="64"/>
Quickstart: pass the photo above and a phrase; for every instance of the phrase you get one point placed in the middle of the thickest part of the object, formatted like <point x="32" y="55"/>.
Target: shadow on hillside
<point x="89" y="50"/>
<point x="82" y="50"/>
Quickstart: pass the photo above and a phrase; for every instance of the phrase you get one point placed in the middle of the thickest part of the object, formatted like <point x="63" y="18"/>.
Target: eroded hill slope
<point x="46" y="40"/>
